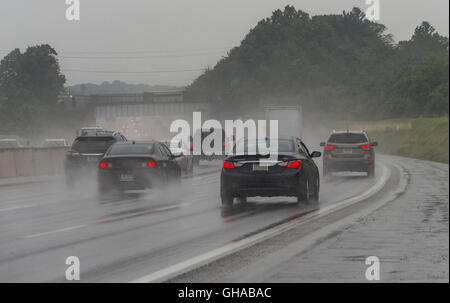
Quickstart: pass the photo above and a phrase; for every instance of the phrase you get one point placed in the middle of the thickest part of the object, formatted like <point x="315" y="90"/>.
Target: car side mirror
<point x="374" y="143"/>
<point x="316" y="154"/>
<point x="322" y="143"/>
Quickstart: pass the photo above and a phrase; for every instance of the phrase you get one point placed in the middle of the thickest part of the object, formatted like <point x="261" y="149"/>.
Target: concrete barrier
<point x="31" y="161"/>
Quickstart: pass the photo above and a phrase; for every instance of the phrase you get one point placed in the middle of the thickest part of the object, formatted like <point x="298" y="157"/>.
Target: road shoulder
<point x="410" y="237"/>
<point x="409" y="234"/>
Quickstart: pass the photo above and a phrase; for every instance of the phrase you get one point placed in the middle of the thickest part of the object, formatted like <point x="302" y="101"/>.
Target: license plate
<point x="126" y="178"/>
<point x="92" y="159"/>
<point x="347" y="151"/>
<point x="257" y="167"/>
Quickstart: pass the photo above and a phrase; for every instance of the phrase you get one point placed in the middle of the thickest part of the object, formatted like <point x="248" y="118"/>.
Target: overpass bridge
<point x="142" y="116"/>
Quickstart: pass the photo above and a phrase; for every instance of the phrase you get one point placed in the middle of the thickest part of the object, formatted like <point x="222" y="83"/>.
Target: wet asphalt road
<point x="120" y="238"/>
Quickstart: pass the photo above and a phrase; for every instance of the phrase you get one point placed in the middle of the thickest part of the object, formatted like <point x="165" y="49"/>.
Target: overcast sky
<point x="170" y="41"/>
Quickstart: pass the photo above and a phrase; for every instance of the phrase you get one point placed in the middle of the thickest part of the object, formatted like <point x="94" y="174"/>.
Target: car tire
<point x="227" y="199"/>
<point x="315" y="197"/>
<point x="304" y="195"/>
<point x="325" y="171"/>
<point x="242" y="199"/>
<point x="102" y="190"/>
<point x="371" y="171"/>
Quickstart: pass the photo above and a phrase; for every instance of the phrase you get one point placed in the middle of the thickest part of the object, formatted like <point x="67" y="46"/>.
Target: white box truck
<point x="289" y="120"/>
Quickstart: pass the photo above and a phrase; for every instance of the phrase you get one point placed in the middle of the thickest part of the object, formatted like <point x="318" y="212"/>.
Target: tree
<point x="344" y="64"/>
<point x="425" y="90"/>
<point x="424" y="43"/>
<point x="30" y="83"/>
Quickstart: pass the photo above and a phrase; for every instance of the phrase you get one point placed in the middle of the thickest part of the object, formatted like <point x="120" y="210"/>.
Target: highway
<point x="170" y="234"/>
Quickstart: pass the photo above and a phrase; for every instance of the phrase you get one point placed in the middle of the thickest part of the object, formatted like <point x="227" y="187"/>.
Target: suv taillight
<point x="105" y="164"/>
<point x="365" y="146"/>
<point x="329" y="146"/>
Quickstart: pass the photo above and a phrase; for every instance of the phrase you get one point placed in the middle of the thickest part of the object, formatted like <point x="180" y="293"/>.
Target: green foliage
<point x="343" y="64"/>
<point x="427" y="139"/>
<point x="425" y="90"/>
<point x="30" y="83"/>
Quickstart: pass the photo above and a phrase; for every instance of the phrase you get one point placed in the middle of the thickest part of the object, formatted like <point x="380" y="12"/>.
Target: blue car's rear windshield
<point x="132" y="149"/>
<point x="263" y="147"/>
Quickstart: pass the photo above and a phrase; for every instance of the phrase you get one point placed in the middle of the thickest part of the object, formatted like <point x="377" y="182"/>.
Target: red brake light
<point x="104" y="164"/>
<point x="365" y="146"/>
<point x="291" y="164"/>
<point x="149" y="163"/>
<point x="229" y="165"/>
<point x="328" y="146"/>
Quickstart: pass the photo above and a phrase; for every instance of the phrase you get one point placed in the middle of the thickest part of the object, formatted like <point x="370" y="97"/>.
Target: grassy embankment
<point x="421" y="138"/>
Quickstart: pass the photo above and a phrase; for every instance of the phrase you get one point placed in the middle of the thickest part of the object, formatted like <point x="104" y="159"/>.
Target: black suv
<point x="86" y="152"/>
<point x="349" y="151"/>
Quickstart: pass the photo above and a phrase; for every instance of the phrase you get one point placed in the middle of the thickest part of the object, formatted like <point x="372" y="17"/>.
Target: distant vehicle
<point x="89" y="129"/>
<point x="137" y="165"/>
<point x="289" y="120"/>
<point x="86" y="152"/>
<point x="349" y="151"/>
<point x="9" y="143"/>
<point x="248" y="174"/>
<point x="203" y="133"/>
<point x="184" y="157"/>
<point x="54" y="143"/>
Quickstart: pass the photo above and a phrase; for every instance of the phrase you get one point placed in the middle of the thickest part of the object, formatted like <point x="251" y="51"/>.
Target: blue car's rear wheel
<point x="227" y="199"/>
<point x="307" y="195"/>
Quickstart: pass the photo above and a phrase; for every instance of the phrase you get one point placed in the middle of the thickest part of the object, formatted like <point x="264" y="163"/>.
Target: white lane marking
<point x="15" y="207"/>
<point x="181" y="205"/>
<point x="215" y="254"/>
<point x="85" y="225"/>
<point x="55" y="231"/>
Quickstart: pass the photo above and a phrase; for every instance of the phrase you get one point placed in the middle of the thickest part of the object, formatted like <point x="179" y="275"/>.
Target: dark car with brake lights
<point x="250" y="172"/>
<point x="349" y="151"/>
<point x="137" y="165"/>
